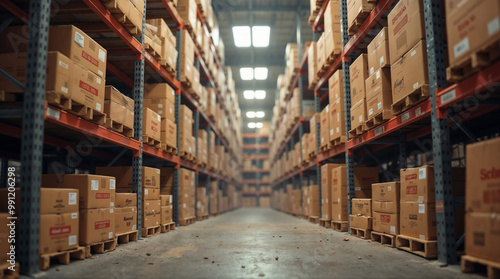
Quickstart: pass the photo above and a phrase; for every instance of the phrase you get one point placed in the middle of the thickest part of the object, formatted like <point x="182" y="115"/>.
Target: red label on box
<point x="102" y="224"/>
<point x="411" y="190"/>
<point x="385" y="218"/>
<point x="87" y="87"/>
<point x="60" y="230"/>
<point x="411" y="176"/>
<point x="102" y="196"/>
<point x="401" y="24"/>
<point x="491" y="196"/>
<point x="89" y="58"/>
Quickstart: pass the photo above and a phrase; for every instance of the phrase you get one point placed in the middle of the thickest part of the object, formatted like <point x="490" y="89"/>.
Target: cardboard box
<point x="87" y="88"/>
<point x="159" y="91"/>
<point x="168" y="133"/>
<point x="320" y="53"/>
<point x="166" y="200"/>
<point x="358" y="114"/>
<point x="337" y="120"/>
<point x="378" y="52"/>
<point x="118" y="107"/>
<point x="406" y="27"/>
<point x="163" y="29"/>
<point x="360" y="222"/>
<point x="355" y="7"/>
<point x="409" y="72"/>
<point x="313" y="200"/>
<point x="125" y="219"/>
<point x="378" y="93"/>
<point x="332" y="20"/>
<point x="358" y="74"/>
<point x="314" y="124"/>
<point x="163" y="107"/>
<point x="418" y="220"/>
<point x="123" y="175"/>
<point x="151" y="213"/>
<point x="339" y="209"/>
<point x="58" y="232"/>
<point x="94" y="191"/>
<point x="336" y="87"/>
<point x="4" y="234"/>
<point x="386" y="222"/>
<point x="311" y="63"/>
<point x="362" y="207"/>
<point x="481" y="235"/>
<point x="385" y="197"/>
<point x="483" y="176"/>
<point x="96" y="225"/>
<point x="324" y="126"/>
<point x="326" y="190"/>
<point x="57" y="200"/>
<point x="417" y="185"/>
<point x="364" y="177"/>
<point x="151" y="124"/>
<point x="187" y="10"/>
<point x="125" y="200"/>
<point x="166" y="214"/>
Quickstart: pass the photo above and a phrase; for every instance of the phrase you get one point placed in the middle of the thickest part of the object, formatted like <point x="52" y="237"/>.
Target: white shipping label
<point x="393" y="229"/>
<point x="422" y="173"/>
<point x="449" y="96"/>
<point x="184" y="205"/>
<point x="461" y="47"/>
<point x="64" y="65"/>
<point x="389" y="188"/>
<point x="422" y="236"/>
<point x="170" y="199"/>
<point x="493" y="26"/>
<point x="405" y="116"/>
<point x="160" y="106"/>
<point x="112" y="184"/>
<point x="158" y="171"/>
<point x="72" y="240"/>
<point x="98" y="80"/>
<point x="370" y="112"/>
<point x="100" y="73"/>
<point x="339" y="217"/>
<point x="421" y="208"/>
<point x="72" y="198"/>
<point x="377" y="75"/>
<point x="94" y="185"/>
<point x="110" y="235"/>
<point x="418" y="111"/>
<point x="53" y="113"/>
<point x="98" y="106"/>
<point x="146" y="191"/>
<point x="102" y="55"/>
<point x="381" y="61"/>
<point x="338" y="199"/>
<point x="171" y="111"/>
<point x="185" y="195"/>
<point x="420" y="198"/>
<point x="74" y="215"/>
<point x="134" y="227"/>
<point x="327" y="108"/>
<point x="357" y="188"/>
<point x="322" y="140"/>
<point x="415" y="86"/>
<point x="337" y="130"/>
<point x="331" y="132"/>
<point x="379" y="105"/>
<point x="159" y="118"/>
<point x="79" y="39"/>
<point x="111" y="204"/>
<point x="361" y="118"/>
<point x="413" y="52"/>
<point x="371" y="71"/>
<point x="64" y="89"/>
<point x="111" y="210"/>
<point x="160" y="111"/>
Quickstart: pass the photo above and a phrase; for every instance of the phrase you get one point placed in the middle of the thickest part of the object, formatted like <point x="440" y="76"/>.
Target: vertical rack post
<point x="208" y="176"/>
<point x="175" y="212"/>
<point x="32" y="136"/>
<point x="197" y="174"/>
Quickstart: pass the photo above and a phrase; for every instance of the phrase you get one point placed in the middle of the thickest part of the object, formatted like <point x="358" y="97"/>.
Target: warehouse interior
<point x="249" y="139"/>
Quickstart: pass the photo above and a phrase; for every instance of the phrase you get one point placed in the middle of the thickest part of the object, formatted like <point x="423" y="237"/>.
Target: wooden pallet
<point x="186" y="155"/>
<point x="366" y="9"/>
<point x="62" y="257"/>
<point x="167" y="227"/>
<point x="357" y="131"/>
<point x="361" y="233"/>
<point x="171" y="70"/>
<point x="472" y="264"/>
<point x="150" y="231"/>
<point x="149" y="48"/>
<point x="188" y="221"/>
<point x="312" y="155"/>
<point x="169" y="149"/>
<point x="474" y="63"/>
<point x="101" y="247"/>
<point x="201" y="218"/>
<point x="331" y="58"/>
<point x="122" y="18"/>
<point x="378" y="119"/>
<point x="76" y="108"/>
<point x="6" y="273"/>
<point x="325" y="148"/>
<point x="338" y="141"/>
<point x="124" y="238"/>
<point x="305" y="161"/>
<point x="118" y="127"/>
<point x="58" y="100"/>
<point x="424" y="248"/>
<point x="384" y="239"/>
<point x="313" y="219"/>
<point x="415" y="97"/>
<point x="151" y="141"/>
<point x="325" y="223"/>
<point x="202" y="164"/>
<point x="339" y="226"/>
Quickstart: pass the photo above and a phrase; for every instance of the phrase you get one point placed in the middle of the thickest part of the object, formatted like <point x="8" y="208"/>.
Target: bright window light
<point x="260" y="94"/>
<point x="241" y="35"/>
<point x="260" y="36"/>
<point x="249" y="94"/>
<point x="260" y="114"/>
<point x="258" y="125"/>
<point x="251" y="125"/>
<point x="261" y="73"/>
<point x="251" y="114"/>
<point x="246" y="73"/>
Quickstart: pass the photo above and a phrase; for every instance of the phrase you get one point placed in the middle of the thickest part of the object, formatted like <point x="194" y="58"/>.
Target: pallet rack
<point x="38" y="117"/>
<point x="423" y="128"/>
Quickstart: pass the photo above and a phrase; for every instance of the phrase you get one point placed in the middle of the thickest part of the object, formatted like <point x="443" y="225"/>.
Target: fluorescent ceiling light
<point x="260" y="94"/>
<point x="260" y="36"/>
<point x="249" y="94"/>
<point x="251" y="114"/>
<point x="251" y="125"/>
<point x="241" y="35"/>
<point x="246" y="73"/>
<point x="261" y="73"/>
<point x="259" y="114"/>
<point x="258" y="125"/>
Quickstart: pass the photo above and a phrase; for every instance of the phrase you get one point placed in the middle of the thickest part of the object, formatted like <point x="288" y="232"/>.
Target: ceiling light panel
<point x="251" y="114"/>
<point x="249" y="94"/>
<point x="261" y="73"/>
<point x="260" y="114"/>
<point x="260" y="94"/>
<point x="260" y="36"/>
<point x="251" y="125"/>
<point x="241" y="35"/>
<point x="246" y="73"/>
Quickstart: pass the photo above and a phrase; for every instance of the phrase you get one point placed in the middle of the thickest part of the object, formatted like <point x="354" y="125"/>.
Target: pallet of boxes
<point x="187" y="202"/>
<point x="336" y="115"/>
<point x="186" y="139"/>
<point x="166" y="198"/>
<point x="126" y="217"/>
<point x="214" y="205"/>
<point x="168" y="53"/>
<point x="96" y="208"/>
<point x="385" y="213"/>
<point x="326" y="194"/>
<point x="202" y="204"/>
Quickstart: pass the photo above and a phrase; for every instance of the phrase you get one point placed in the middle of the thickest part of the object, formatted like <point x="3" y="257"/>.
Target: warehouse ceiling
<point x="281" y="16"/>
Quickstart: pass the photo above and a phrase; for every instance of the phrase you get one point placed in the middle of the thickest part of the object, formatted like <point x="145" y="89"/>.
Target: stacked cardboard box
<point x="326" y="190"/>
<point x="324" y="127"/>
<point x="249" y="202"/>
<point x="361" y="217"/>
<point x="312" y="66"/>
<point x="187" y="59"/>
<point x="333" y="39"/>
<point x="187" y="11"/>
<point x="186" y="143"/>
<point x="314" y="124"/>
<point x="187" y="201"/>
<point x="202" y="202"/>
<point x="168" y="53"/>
<point x="358" y="74"/>
<point x="337" y="108"/>
<point x="128" y="12"/>
<point x="385" y="207"/>
<point x="125" y="213"/>
<point x="96" y="204"/>
<point x="166" y="209"/>
<point x="152" y="43"/>
<point x="202" y="147"/>
<point x="264" y="202"/>
<point x="357" y="11"/>
<point x="119" y="111"/>
<point x="312" y="201"/>
<point x="151" y="125"/>
<point x="320" y="55"/>
<point x="214" y="193"/>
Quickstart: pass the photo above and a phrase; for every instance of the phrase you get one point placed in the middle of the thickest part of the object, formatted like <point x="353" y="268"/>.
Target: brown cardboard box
<point x="125" y="200"/>
<point x="96" y="225"/>
<point x="95" y="191"/>
<point x="324" y="126"/>
<point x="165" y="200"/>
<point x="481" y="235"/>
<point x="359" y="73"/>
<point x="151" y="213"/>
<point x="311" y="63"/>
<point x="364" y="177"/>
<point x="125" y="219"/>
<point x="336" y="87"/>
<point x="378" y="93"/>
<point x="168" y="134"/>
<point x="378" y="52"/>
<point x="339" y="183"/>
<point x="417" y="185"/>
<point x="360" y="222"/>
<point x="471" y="25"/>
<point x="57" y="200"/>
<point x="406" y="27"/>
<point x="355" y="7"/>
<point x="166" y="214"/>
<point x="358" y="114"/>
<point x="4" y="235"/>
<point x="483" y="176"/>
<point x="159" y="91"/>
<point x="58" y="232"/>
<point x="386" y="222"/>
<point x="409" y="72"/>
<point x="314" y="124"/>
<point x="87" y="88"/>
<point x="332" y="23"/>
<point x="163" y="29"/>
<point x="339" y="209"/>
<point x="118" y="107"/>
<point x="320" y="53"/>
<point x="385" y="197"/>
<point x="163" y="107"/>
<point x="313" y="200"/>
<point x="362" y="207"/>
<point x="326" y="190"/>
<point x="123" y="175"/>
<point x="187" y="11"/>
<point x="337" y="117"/>
<point x="186" y="72"/>
<point x="151" y="124"/>
<point x="418" y="220"/>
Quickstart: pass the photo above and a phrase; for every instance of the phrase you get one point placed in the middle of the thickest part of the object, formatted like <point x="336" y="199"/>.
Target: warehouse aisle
<point x="268" y="243"/>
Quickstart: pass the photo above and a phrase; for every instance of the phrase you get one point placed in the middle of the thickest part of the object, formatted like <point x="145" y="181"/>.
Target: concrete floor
<point x="254" y="243"/>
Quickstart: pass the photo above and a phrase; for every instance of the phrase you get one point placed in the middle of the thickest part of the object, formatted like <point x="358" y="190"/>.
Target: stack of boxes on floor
<point x="202" y="202"/>
<point x="310" y="201"/>
<point x="166" y="209"/>
<point x="186" y="139"/>
<point x="125" y="213"/>
<point x="186" y="195"/>
<point x="385" y="207"/>
<point x="213" y="195"/>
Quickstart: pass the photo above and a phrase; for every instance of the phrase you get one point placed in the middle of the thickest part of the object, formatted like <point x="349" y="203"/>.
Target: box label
<point x="421" y="208"/>
<point x="102" y="196"/>
<point x="89" y="58"/>
<point x="493" y="26"/>
<point x="74" y="215"/>
<point x="102" y="224"/>
<point x="411" y="190"/>
<point x="79" y="39"/>
<point x="72" y="198"/>
<point x="462" y="47"/>
<point x="60" y="230"/>
<point x="94" y="185"/>
<point x="72" y="240"/>
<point x="393" y="229"/>
<point x="85" y="86"/>
<point x="102" y="55"/>
<point x="422" y="173"/>
<point x="112" y="184"/>
<point x="385" y="219"/>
